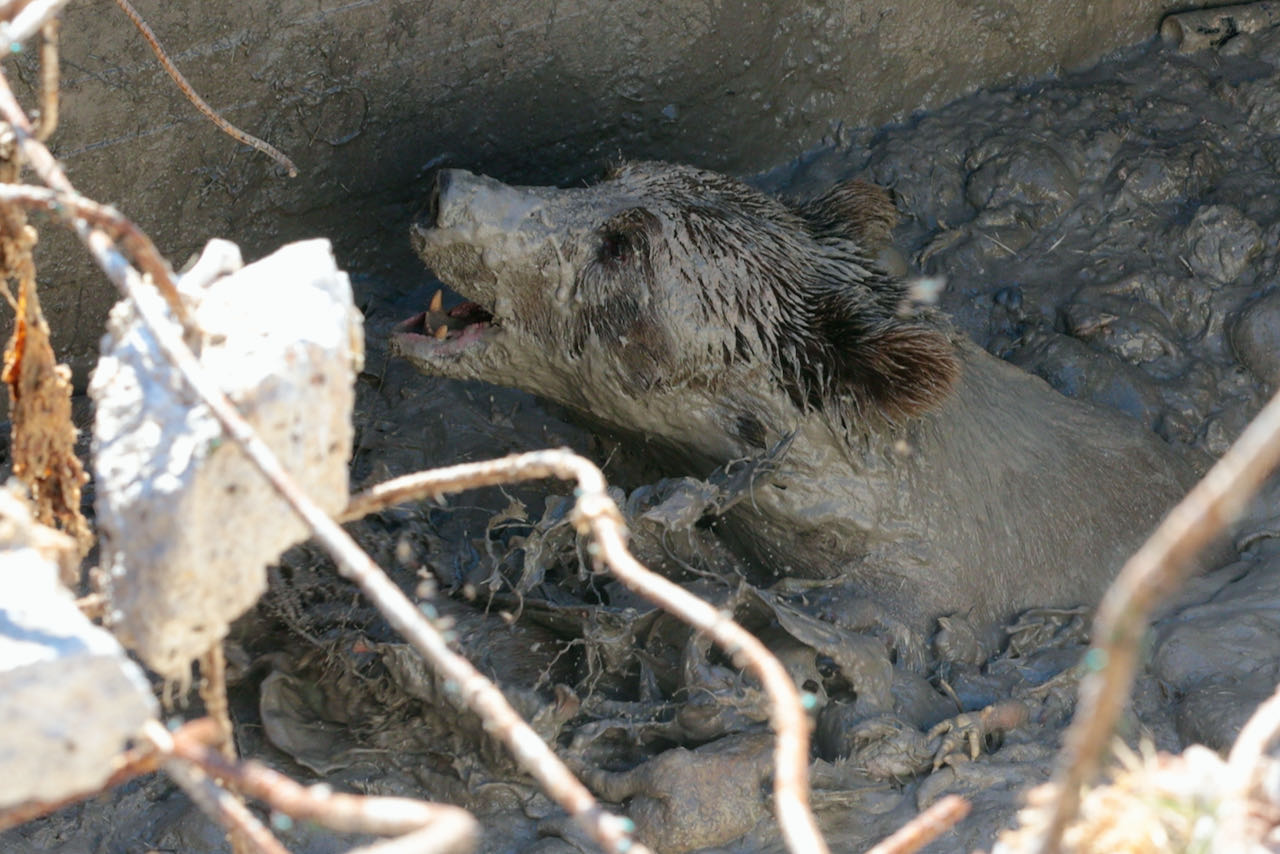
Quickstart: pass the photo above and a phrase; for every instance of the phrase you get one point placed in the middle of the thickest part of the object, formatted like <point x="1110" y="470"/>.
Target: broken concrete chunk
<point x="188" y="524"/>
<point x="70" y="698"/>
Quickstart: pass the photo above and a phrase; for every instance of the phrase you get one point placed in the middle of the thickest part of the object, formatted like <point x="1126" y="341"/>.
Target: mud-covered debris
<point x="685" y="800"/>
<point x="71" y="700"/>
<point x="188" y="524"/>
<point x="351" y="698"/>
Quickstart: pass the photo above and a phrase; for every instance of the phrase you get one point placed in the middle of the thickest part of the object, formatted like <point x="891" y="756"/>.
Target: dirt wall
<point x="367" y="96"/>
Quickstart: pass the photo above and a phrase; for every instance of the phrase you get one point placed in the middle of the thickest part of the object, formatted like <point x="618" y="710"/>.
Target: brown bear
<point x="712" y="320"/>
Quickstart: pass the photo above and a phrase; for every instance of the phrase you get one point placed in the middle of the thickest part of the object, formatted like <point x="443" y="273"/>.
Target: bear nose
<point x="462" y="199"/>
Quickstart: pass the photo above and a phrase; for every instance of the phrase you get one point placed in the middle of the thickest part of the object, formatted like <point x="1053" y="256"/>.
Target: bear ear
<point x="856" y="210"/>
<point x="901" y="364"/>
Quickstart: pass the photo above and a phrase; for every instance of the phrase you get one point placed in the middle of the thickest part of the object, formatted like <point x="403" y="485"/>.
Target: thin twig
<point x="998" y="243"/>
<point x="1159" y="567"/>
<point x="215" y="802"/>
<point x="10" y="8"/>
<point x="595" y="512"/>
<point x="924" y="828"/>
<point x="200" y="103"/>
<point x="133" y="763"/>
<point x="49" y="90"/>
<point x="213" y="693"/>
<point x="533" y="755"/>
<point x="384" y="816"/>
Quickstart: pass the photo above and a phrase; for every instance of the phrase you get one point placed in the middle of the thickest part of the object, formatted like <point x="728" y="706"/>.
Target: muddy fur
<point x="687" y="309"/>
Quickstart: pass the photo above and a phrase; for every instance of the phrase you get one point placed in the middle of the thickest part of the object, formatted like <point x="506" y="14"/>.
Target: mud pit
<point x="1112" y="231"/>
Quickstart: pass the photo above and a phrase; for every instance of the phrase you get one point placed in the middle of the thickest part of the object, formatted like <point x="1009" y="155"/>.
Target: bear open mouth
<point x="445" y="333"/>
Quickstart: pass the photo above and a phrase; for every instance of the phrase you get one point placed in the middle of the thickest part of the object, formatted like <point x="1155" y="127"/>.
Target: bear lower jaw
<point x="434" y="334"/>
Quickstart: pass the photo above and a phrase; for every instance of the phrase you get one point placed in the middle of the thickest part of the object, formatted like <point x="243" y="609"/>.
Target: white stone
<point x="187" y="523"/>
<point x="70" y="698"/>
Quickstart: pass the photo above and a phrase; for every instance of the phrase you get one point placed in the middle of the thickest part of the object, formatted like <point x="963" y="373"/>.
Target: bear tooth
<point x="442" y="333"/>
<point x="437" y="301"/>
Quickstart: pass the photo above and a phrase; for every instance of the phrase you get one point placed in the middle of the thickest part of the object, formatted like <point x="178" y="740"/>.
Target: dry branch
<point x="422" y="827"/>
<point x="453" y="827"/>
<point x="200" y="103"/>
<point x="49" y="90"/>
<point x="1155" y="570"/>
<point x="216" y="802"/>
<point x="596" y="513"/>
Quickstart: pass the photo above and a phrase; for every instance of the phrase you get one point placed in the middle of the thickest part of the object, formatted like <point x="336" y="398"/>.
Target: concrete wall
<point x="368" y="95"/>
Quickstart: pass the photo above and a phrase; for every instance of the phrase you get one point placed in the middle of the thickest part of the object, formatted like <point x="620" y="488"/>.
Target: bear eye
<point x="616" y="247"/>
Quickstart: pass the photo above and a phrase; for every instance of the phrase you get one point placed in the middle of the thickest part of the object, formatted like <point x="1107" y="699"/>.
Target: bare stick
<point x="200" y="103"/>
<point x="48" y="79"/>
<point x="924" y="828"/>
<point x="341" y="812"/>
<point x="1159" y="567"/>
<point x="213" y="692"/>
<point x="93" y="606"/>
<point x="596" y="513"/>
<point x="214" y="801"/>
<point x="10" y="8"/>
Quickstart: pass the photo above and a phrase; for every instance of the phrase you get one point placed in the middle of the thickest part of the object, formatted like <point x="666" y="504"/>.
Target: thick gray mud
<point x="1113" y="231"/>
